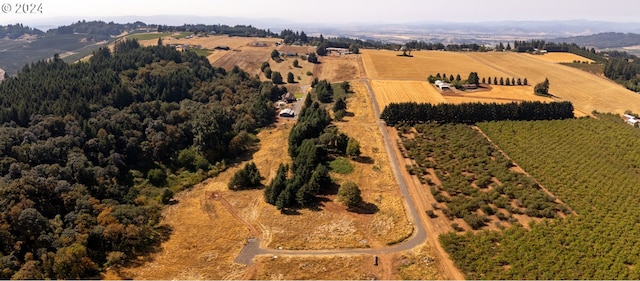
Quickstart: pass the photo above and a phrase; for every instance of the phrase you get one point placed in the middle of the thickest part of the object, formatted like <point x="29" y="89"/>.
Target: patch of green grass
<point x="147" y="36"/>
<point x="183" y="35"/>
<point x="202" y="52"/>
<point x="597" y="69"/>
<point x="341" y="165"/>
<point x="185" y="180"/>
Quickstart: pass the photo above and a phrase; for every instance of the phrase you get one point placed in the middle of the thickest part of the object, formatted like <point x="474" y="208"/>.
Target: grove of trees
<point x="591" y="165"/>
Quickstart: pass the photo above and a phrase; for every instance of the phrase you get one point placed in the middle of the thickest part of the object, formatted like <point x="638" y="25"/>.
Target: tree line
<point x="470" y="113"/>
<point x="91" y="151"/>
<point x="625" y="70"/>
<point x="15" y="31"/>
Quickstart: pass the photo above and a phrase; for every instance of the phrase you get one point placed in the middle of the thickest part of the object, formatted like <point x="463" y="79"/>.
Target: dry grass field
<point x="333" y="227"/>
<point x="314" y="268"/>
<point x="390" y="91"/>
<point x="205" y="239"/>
<point x="387" y="65"/>
<point x="340" y="68"/>
<point x="562" y="57"/>
<point x="586" y="91"/>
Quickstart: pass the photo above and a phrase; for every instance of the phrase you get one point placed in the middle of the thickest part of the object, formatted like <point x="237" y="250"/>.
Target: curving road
<point x="418" y="237"/>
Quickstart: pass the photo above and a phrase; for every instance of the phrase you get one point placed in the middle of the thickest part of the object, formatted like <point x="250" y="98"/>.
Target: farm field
<point x="387" y="65"/>
<point x="592" y="166"/>
<point x="473" y="184"/>
<point x="391" y="91"/>
<point x="586" y="91"/>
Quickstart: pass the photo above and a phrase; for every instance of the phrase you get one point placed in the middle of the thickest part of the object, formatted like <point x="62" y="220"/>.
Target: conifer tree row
<point x="469" y="113"/>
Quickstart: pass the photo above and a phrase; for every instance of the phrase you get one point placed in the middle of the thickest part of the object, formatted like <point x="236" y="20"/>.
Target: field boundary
<point x="522" y="170"/>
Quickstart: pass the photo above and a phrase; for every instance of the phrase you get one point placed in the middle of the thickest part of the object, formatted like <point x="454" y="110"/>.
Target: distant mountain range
<point x="607" y="40"/>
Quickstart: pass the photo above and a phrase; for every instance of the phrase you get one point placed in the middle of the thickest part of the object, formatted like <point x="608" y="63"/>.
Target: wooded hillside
<point x="89" y="152"/>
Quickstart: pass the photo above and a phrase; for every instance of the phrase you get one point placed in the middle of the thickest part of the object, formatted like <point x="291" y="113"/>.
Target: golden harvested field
<point x="562" y="57"/>
<point x="586" y="91"/>
<point x="497" y="94"/>
<point x="390" y="91"/>
<point x="386" y="65"/>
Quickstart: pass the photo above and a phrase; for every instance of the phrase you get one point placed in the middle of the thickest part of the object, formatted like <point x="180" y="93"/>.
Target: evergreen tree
<point x="290" y="78"/>
<point x="276" y="77"/>
<point x="275" y="55"/>
<point x="340" y="104"/>
<point x="473" y="78"/>
<point x="277" y="185"/>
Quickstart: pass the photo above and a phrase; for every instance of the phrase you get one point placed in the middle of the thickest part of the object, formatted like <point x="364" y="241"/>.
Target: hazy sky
<point x="342" y="11"/>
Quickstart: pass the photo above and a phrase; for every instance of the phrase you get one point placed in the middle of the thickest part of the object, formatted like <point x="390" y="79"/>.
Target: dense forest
<point x="96" y="30"/>
<point x="15" y="31"/>
<point x="89" y="152"/>
<point x="469" y="113"/>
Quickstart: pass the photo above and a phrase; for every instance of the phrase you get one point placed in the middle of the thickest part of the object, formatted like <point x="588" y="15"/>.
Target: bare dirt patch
<point x="340" y="68"/>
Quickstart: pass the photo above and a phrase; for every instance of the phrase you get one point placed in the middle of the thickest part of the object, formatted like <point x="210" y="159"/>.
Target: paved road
<point x="418" y="237"/>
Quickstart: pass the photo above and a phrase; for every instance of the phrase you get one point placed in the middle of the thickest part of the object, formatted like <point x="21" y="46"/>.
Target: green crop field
<point x="593" y="165"/>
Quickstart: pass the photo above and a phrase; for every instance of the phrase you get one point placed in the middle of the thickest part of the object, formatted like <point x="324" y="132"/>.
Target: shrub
<point x="341" y="165"/>
<point x="349" y="194"/>
<point x="157" y="177"/>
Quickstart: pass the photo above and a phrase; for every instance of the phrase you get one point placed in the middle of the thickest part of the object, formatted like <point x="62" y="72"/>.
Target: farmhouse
<point x="631" y="120"/>
<point x="443" y="86"/>
<point x="287" y="112"/>
<point x="289" y="97"/>
<point x="339" y="51"/>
